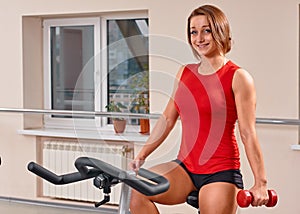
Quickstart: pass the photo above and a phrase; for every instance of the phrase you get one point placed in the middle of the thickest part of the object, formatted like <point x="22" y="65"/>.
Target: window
<point x="89" y="62"/>
<point x="127" y="50"/>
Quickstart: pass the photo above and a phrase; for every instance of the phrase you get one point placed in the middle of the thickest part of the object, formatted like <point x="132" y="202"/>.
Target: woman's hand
<point x="260" y="195"/>
<point x="136" y="164"/>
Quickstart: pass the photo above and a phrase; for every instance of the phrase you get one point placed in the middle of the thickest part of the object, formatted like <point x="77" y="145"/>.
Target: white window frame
<point x="100" y="63"/>
<point x="49" y="121"/>
<point x="104" y="19"/>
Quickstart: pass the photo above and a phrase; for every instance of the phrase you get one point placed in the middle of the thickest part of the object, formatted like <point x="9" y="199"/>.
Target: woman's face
<point x="201" y="37"/>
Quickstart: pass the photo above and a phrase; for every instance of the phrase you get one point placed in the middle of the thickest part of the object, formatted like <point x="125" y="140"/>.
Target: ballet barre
<point x="271" y="121"/>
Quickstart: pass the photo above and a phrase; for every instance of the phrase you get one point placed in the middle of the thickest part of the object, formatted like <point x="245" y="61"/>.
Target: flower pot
<point x="144" y="126"/>
<point x="119" y="125"/>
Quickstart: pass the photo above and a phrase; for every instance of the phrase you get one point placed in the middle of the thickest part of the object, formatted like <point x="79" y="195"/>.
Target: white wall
<point x="266" y="41"/>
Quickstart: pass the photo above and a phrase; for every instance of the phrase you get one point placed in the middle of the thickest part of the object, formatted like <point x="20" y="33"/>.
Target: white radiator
<point x="59" y="157"/>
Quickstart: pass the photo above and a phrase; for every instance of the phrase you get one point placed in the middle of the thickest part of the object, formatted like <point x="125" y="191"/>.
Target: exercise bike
<point x="105" y="176"/>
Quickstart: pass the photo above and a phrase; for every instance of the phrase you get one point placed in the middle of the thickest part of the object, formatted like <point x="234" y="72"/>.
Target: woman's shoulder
<point x="243" y="74"/>
<point x="242" y="78"/>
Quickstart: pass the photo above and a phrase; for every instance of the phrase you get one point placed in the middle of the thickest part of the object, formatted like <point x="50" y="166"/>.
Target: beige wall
<point x="266" y="40"/>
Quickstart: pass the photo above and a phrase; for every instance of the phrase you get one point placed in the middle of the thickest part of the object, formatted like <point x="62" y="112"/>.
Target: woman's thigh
<point x="218" y="197"/>
<point x="180" y="183"/>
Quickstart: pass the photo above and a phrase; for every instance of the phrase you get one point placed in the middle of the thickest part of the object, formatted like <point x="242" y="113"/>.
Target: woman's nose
<point x="200" y="37"/>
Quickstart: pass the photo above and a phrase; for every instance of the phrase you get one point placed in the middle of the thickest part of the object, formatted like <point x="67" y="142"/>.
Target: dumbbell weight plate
<point x="244" y="198"/>
<point x="273" y="198"/>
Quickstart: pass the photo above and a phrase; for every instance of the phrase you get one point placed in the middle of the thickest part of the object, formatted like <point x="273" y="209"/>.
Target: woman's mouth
<point x="201" y="46"/>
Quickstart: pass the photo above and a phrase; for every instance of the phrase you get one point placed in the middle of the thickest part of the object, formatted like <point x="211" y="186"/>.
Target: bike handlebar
<point x="158" y="183"/>
<point x="60" y="179"/>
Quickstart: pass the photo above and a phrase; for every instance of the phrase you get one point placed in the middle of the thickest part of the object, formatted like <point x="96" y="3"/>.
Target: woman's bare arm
<point x="161" y="130"/>
<point x="245" y="98"/>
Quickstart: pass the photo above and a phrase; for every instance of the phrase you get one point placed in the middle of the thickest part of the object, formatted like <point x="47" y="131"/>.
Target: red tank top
<point x="208" y="115"/>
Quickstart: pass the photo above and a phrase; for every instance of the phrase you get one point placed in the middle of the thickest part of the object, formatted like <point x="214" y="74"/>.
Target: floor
<point x="30" y="207"/>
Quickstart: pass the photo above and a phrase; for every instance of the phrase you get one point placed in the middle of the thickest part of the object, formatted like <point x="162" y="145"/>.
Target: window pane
<point x="72" y="47"/>
<point x="128" y="64"/>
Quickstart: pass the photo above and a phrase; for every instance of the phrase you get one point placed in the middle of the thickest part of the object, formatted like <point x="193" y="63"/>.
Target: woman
<point x="209" y="98"/>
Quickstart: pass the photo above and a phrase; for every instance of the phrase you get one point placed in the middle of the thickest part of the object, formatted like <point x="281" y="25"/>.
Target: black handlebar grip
<point x="44" y="173"/>
<point x="62" y="179"/>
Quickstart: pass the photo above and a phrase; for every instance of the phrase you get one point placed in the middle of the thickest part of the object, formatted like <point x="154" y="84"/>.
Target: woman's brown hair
<point x="219" y="26"/>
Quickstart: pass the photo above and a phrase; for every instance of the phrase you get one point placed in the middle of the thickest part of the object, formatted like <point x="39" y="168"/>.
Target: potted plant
<point x="140" y="102"/>
<point x="118" y="122"/>
<point x="140" y="105"/>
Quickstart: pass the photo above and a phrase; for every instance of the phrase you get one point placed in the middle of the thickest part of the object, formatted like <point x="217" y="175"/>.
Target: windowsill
<point x="127" y="136"/>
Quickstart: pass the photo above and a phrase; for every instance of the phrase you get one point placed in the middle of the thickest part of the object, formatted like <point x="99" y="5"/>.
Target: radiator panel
<point x="59" y="157"/>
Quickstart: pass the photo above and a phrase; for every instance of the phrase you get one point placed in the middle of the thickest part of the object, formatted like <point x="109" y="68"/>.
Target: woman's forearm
<point x="159" y="133"/>
<point x="255" y="159"/>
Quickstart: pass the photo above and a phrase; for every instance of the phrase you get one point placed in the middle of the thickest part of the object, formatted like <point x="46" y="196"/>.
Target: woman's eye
<point x="193" y="32"/>
<point x="207" y="31"/>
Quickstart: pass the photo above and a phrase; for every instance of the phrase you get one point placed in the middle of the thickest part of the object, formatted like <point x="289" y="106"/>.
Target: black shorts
<point x="230" y="176"/>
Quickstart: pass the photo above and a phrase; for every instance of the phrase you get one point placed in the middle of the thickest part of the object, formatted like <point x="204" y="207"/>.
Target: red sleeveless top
<point x="208" y="115"/>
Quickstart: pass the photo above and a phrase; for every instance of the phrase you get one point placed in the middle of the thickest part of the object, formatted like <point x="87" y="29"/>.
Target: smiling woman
<point x="215" y="93"/>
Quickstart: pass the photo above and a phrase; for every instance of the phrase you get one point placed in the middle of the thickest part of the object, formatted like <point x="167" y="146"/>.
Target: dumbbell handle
<point x="245" y="198"/>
